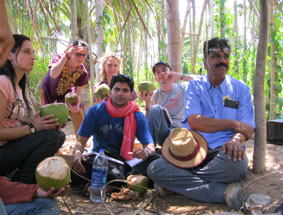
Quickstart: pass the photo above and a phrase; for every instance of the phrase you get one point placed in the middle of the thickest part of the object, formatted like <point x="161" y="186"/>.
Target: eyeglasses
<point x="80" y="55"/>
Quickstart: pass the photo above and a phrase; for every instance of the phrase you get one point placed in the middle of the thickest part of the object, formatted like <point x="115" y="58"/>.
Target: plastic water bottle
<point x="99" y="177"/>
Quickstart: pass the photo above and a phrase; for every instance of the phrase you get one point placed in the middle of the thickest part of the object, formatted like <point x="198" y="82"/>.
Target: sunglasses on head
<point x="80" y="42"/>
<point x="80" y="55"/>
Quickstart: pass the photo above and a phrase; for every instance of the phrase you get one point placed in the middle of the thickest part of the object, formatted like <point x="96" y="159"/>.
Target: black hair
<point x="9" y="71"/>
<point x="215" y="43"/>
<point x="123" y="79"/>
<point x="161" y="63"/>
<point x="80" y="42"/>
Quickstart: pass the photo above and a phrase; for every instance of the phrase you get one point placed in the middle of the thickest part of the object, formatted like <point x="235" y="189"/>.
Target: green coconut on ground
<point x="59" y="110"/>
<point x="138" y="183"/>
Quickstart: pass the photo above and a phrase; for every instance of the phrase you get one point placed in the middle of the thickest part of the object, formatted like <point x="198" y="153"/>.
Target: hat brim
<point x="195" y="161"/>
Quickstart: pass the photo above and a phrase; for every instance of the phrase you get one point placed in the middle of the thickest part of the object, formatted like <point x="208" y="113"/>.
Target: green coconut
<point x="59" y="110"/>
<point x="147" y="86"/>
<point x="138" y="183"/>
<point x="72" y="98"/>
<point x="102" y="91"/>
<point x="53" y="172"/>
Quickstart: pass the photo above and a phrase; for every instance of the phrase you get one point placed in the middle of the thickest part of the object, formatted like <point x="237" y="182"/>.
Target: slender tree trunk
<point x="245" y="73"/>
<point x="198" y="36"/>
<point x="163" y="33"/>
<point x="236" y="22"/>
<point x="211" y="14"/>
<point x="99" y="6"/>
<point x="185" y="24"/>
<point x="236" y="35"/>
<point x="74" y="26"/>
<point x="222" y="19"/>
<point x="260" y="134"/>
<point x="146" y="50"/>
<point x="173" y="34"/>
<point x="252" y="2"/>
<point x="193" y="32"/>
<point x="273" y="63"/>
<point x="88" y="91"/>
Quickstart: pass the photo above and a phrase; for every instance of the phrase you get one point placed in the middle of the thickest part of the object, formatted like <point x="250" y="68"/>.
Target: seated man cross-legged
<point x="220" y="109"/>
<point x="114" y="125"/>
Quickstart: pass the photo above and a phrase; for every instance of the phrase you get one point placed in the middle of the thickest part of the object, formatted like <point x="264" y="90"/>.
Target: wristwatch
<point x="32" y="128"/>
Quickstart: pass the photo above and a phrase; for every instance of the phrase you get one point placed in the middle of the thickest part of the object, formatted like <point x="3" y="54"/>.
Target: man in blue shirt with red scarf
<point x="114" y="126"/>
<point x="220" y="108"/>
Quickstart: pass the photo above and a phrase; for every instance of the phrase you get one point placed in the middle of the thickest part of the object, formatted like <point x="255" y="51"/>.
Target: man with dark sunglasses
<point x="67" y="74"/>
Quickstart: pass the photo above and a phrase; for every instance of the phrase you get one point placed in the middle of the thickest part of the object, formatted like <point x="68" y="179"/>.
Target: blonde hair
<point x="103" y="76"/>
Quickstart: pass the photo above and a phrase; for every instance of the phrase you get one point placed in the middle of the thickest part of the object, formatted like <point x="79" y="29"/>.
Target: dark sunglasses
<point x="80" y="55"/>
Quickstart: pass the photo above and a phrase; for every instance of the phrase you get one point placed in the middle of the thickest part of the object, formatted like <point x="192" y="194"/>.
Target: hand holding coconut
<point x="52" y="116"/>
<point x="73" y="102"/>
<point x="45" y="122"/>
<point x="146" y="89"/>
<point x="101" y="93"/>
<point x="146" y="96"/>
<point x="51" y="193"/>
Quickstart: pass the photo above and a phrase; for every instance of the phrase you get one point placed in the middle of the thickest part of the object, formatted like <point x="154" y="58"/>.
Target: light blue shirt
<point x="202" y="98"/>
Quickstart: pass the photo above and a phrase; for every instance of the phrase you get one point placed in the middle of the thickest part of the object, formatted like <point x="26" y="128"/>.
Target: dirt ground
<point x="270" y="183"/>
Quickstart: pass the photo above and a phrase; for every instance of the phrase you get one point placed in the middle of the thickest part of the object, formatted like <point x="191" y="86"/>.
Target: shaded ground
<point x="269" y="183"/>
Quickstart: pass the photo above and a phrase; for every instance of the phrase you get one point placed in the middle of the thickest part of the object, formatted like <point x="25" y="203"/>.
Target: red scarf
<point x="129" y="125"/>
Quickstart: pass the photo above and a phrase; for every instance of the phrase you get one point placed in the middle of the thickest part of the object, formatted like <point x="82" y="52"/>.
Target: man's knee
<point x="237" y="169"/>
<point x="153" y="169"/>
<point x="154" y="112"/>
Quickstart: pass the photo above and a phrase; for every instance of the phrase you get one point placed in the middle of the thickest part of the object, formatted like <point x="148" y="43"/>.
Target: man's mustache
<point x="221" y="64"/>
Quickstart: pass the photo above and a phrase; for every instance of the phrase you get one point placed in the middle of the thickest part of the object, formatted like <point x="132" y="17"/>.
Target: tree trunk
<point x="193" y="35"/>
<point x="273" y="65"/>
<point x="185" y="24"/>
<point x="222" y="19"/>
<point x="146" y="50"/>
<point x="87" y="91"/>
<point x="236" y="36"/>
<point x="99" y="6"/>
<point x="236" y="22"/>
<point x="260" y="134"/>
<point x="198" y="36"/>
<point x="173" y="34"/>
<point x="211" y="14"/>
<point x="245" y="73"/>
<point x="74" y="26"/>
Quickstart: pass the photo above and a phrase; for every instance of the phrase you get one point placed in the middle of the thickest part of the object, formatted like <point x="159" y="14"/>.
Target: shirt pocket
<point x="229" y="113"/>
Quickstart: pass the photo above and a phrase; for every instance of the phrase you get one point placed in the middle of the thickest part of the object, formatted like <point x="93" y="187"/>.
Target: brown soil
<point x="270" y="183"/>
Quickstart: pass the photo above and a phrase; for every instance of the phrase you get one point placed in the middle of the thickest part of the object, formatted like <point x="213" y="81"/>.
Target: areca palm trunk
<point x="173" y="35"/>
<point x="260" y="134"/>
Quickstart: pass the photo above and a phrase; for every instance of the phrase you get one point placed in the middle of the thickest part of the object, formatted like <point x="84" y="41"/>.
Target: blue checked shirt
<point x="202" y="98"/>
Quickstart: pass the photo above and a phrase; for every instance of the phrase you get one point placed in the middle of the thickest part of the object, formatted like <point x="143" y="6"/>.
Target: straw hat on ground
<point x="184" y="148"/>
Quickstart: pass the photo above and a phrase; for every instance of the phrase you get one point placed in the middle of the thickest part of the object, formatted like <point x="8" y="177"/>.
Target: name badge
<point x="231" y="103"/>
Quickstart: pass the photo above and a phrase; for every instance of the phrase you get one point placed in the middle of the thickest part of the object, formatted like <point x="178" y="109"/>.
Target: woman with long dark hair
<point x="25" y="137"/>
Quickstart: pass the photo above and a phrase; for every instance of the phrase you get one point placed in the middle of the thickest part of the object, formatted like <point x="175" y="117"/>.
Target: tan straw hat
<point x="184" y="148"/>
